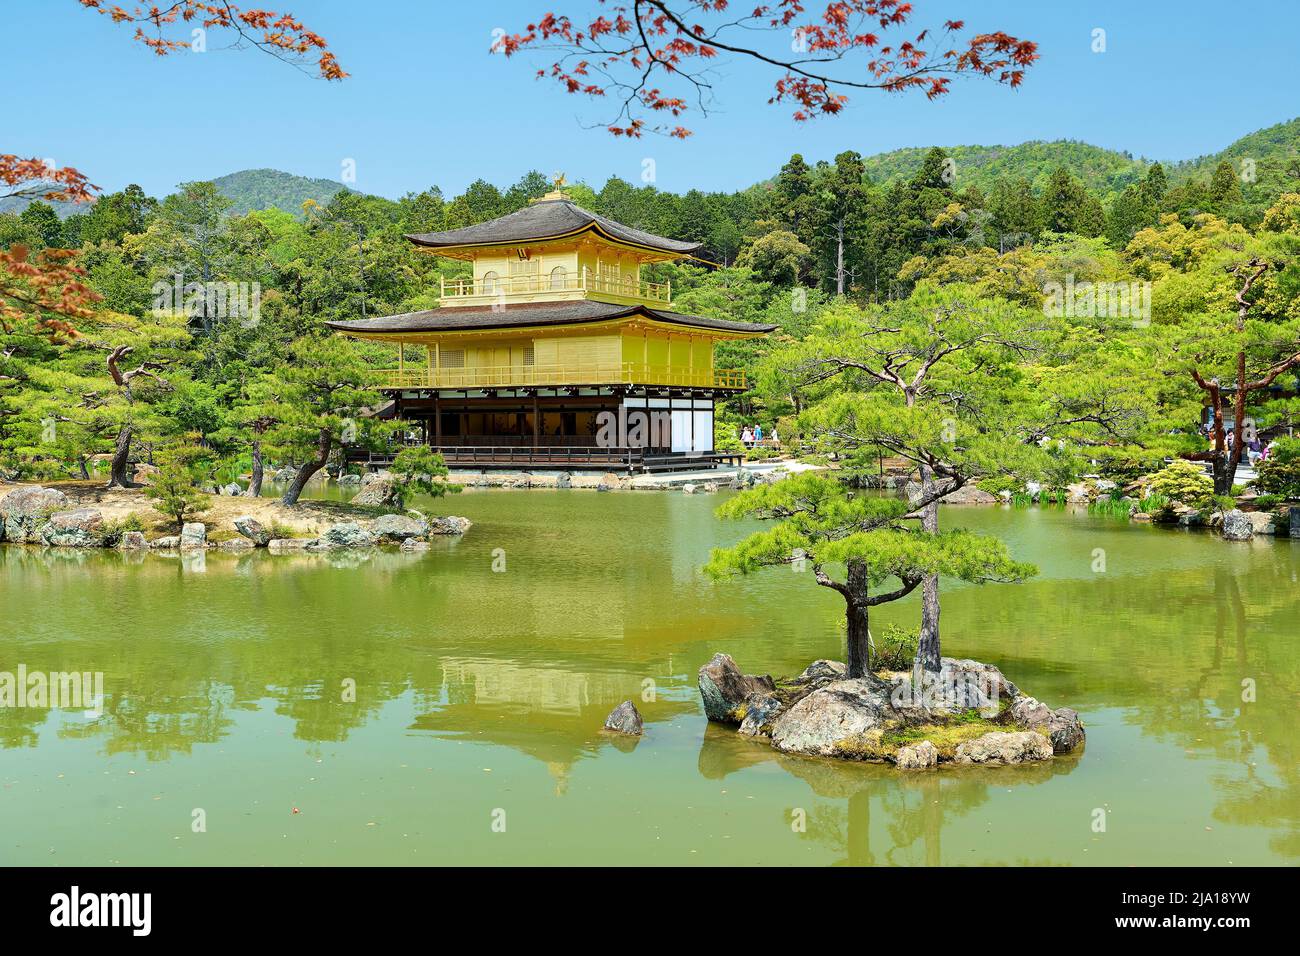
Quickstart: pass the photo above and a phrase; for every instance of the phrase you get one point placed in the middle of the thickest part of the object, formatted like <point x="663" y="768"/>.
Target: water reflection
<point x="602" y="595"/>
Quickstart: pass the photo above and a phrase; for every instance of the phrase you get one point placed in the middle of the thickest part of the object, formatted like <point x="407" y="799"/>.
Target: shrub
<point x="725" y="438"/>
<point x="1219" y="503"/>
<point x="111" y="531"/>
<point x="415" y="469"/>
<point x="173" y="490"/>
<point x="1286" y="449"/>
<point x="1183" y="481"/>
<point x="1279" y="477"/>
<point x="999" y="484"/>
<point x="1267" y="502"/>
<point x="895" y="649"/>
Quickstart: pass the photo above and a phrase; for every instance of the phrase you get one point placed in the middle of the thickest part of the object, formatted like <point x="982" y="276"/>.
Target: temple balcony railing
<point x="577" y="373"/>
<point x="551" y="287"/>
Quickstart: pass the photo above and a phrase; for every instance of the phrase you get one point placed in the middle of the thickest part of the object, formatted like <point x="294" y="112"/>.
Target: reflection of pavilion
<point x="548" y="713"/>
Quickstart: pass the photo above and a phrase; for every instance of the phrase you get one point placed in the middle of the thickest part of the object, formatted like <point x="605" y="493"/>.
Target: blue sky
<point x="428" y="105"/>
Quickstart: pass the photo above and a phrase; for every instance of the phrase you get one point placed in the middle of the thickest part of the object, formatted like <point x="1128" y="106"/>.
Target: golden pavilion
<point x="556" y="352"/>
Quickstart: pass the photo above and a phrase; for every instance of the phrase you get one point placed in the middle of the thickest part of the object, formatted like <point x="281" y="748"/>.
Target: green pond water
<point x="475" y="736"/>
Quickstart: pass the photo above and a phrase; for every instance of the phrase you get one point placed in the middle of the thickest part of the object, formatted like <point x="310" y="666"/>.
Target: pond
<point x="484" y="669"/>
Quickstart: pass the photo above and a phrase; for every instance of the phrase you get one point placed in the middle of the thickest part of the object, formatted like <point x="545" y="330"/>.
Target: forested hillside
<point x="252" y="189"/>
<point x="1100" y="170"/>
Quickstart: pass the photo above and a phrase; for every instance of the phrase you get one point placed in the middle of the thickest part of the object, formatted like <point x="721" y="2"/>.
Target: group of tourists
<point x="1254" y="450"/>
<point x="752" y="435"/>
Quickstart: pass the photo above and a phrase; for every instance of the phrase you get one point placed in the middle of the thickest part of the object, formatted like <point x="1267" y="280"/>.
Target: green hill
<point x="1275" y="151"/>
<point x="251" y="189"/>
<point x="248" y="189"/>
<point x="1102" y="170"/>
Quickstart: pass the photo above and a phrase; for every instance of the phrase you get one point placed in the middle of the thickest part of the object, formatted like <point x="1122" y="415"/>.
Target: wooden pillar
<point x="537" y="421"/>
<point x="437" y="420"/>
<point x="692" y="413"/>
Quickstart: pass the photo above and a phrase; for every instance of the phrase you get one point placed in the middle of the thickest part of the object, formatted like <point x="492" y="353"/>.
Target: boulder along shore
<point x="87" y="515"/>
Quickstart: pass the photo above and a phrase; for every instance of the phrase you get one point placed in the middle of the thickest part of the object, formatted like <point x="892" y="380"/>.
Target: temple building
<point x="556" y="352"/>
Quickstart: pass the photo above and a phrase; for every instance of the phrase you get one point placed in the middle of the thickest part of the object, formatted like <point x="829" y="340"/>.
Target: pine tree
<point x="821" y="525"/>
<point x="1225" y="188"/>
<point x="320" y="400"/>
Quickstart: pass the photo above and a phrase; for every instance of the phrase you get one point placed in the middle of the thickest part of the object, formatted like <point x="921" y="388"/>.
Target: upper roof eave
<point x="543" y="221"/>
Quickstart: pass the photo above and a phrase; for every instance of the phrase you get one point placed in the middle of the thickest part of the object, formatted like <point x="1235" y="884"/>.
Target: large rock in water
<point x="133" y="541"/>
<point x="346" y="534"/>
<point x="253" y="530"/>
<point x="761" y="712"/>
<point x="823" y="670"/>
<point x="724" y="688"/>
<point x="1020" y="747"/>
<point x="1261" y="522"/>
<point x="839" y="720"/>
<point x="286" y="545"/>
<point x="625" y="719"/>
<point x="1066" y="730"/>
<point x="959" y="684"/>
<point x="398" y="527"/>
<point x="451" y="524"/>
<point x="74" y="529"/>
<point x="1062" y="725"/>
<point x="1237" y="526"/>
<point x="917" y="756"/>
<point x="969" y="495"/>
<point x="22" y="512"/>
<point x="194" y="536"/>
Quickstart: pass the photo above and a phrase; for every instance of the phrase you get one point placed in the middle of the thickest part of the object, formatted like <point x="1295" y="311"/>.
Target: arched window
<point x="491" y="282"/>
<point x="559" y="277"/>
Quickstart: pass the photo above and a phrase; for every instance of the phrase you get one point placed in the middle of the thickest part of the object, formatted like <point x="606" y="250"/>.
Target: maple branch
<point x="660" y="37"/>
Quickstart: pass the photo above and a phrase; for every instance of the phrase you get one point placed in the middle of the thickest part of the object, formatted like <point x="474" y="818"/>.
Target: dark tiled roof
<point x="545" y="220"/>
<point x="466" y="318"/>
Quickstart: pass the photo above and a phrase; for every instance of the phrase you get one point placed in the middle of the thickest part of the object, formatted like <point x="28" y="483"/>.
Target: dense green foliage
<point x="850" y="266"/>
<point x="1181" y="481"/>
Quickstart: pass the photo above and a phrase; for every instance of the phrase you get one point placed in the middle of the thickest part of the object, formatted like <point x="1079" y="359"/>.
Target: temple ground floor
<point x="637" y="428"/>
